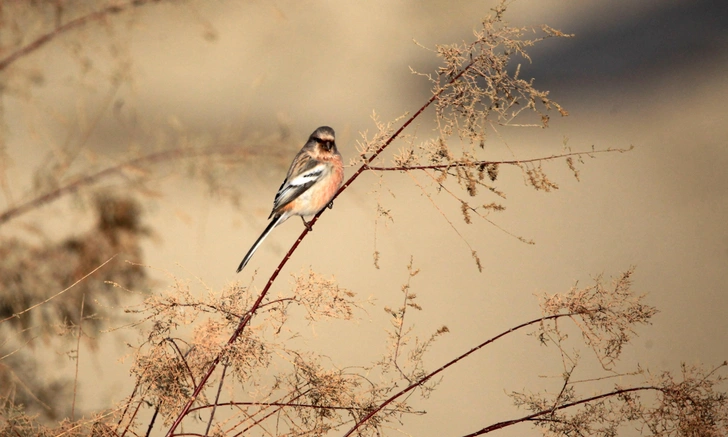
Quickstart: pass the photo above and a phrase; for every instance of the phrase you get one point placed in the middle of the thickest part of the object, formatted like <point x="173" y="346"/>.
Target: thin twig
<point x="217" y="398"/>
<point x="400" y="322"/>
<point x="28" y="389"/>
<point x="44" y="39"/>
<point x="479" y="163"/>
<point x="133" y="416"/>
<point x="184" y="359"/>
<point x="536" y="416"/>
<point x="429" y="376"/>
<point x="57" y="294"/>
<point x="110" y="171"/>
<point x="567" y="377"/>
<point x="292" y="405"/>
<point x="81" y="423"/>
<point x="78" y="358"/>
<point x="257" y="422"/>
<point x="126" y="408"/>
<point x="159" y="404"/>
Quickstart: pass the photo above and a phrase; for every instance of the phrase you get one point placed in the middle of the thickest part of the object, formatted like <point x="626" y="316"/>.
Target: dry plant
<point x="55" y="288"/>
<point x="197" y="343"/>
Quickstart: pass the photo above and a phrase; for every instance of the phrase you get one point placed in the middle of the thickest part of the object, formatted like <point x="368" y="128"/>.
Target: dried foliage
<point x="311" y="398"/>
<point x="38" y="304"/>
<point x="227" y="362"/>
<point x="406" y="354"/>
<point x="477" y="90"/>
<point x="487" y="92"/>
<point x="606" y="316"/>
<point x="28" y="272"/>
<point x="695" y="405"/>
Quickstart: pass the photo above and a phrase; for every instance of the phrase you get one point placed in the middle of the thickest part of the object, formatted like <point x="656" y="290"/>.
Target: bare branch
<point x="217" y="399"/>
<point x="80" y="21"/>
<point x="18" y="314"/>
<point x="94" y="178"/>
<point x="471" y="164"/>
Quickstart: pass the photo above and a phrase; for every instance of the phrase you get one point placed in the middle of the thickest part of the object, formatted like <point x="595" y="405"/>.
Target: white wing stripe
<point x="307" y="176"/>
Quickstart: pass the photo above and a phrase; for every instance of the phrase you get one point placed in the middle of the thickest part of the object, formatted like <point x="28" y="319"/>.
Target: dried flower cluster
<point x="304" y="396"/>
<point x="606" y="316"/>
<point x="694" y="405"/>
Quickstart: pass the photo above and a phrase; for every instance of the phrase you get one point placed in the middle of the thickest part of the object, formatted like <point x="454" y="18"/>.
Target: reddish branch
<point x="479" y="163"/>
<point x="126" y="408"/>
<point x="429" y="376"/>
<point x="217" y="399"/>
<point x="241" y="326"/>
<point x="536" y="416"/>
<point x="276" y="404"/>
<point x="80" y="21"/>
<point x="270" y="413"/>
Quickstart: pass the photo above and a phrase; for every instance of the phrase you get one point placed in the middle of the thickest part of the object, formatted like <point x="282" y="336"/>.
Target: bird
<point x="313" y="179"/>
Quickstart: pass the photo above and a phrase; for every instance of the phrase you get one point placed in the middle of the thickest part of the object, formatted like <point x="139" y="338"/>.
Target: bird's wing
<point x="303" y="174"/>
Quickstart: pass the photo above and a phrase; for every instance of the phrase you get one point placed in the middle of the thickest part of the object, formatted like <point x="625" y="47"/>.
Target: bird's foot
<point x="331" y="205"/>
<point x="307" y="225"/>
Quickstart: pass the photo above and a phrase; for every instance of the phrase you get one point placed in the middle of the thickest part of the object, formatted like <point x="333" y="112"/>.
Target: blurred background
<point x="263" y="75"/>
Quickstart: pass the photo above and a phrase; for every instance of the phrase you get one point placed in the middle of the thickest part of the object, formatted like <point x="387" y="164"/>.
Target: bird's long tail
<point x="275" y="222"/>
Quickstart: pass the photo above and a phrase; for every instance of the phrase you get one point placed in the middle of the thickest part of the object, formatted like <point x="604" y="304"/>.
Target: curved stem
<point x="109" y="171"/>
<point x="538" y="414"/>
<point x="445" y="366"/>
<point x="477" y="163"/>
<point x="46" y="38"/>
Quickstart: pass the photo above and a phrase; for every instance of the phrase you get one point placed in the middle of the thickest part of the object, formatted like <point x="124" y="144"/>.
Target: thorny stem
<point x="264" y="292"/>
<point x="429" y="376"/>
<point x="151" y="422"/>
<point x="536" y="415"/>
<point x="80" y="21"/>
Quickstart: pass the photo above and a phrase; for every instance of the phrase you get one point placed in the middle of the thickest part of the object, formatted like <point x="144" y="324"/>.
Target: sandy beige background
<point x="644" y="73"/>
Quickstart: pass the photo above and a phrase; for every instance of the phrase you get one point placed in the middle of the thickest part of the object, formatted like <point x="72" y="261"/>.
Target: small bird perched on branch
<point x="313" y="179"/>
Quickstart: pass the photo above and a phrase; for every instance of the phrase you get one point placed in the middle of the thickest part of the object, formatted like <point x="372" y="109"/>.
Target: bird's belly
<point x="313" y="200"/>
<point x="305" y="204"/>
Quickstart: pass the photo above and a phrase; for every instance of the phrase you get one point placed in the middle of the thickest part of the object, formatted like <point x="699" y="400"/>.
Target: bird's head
<point x="324" y="138"/>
